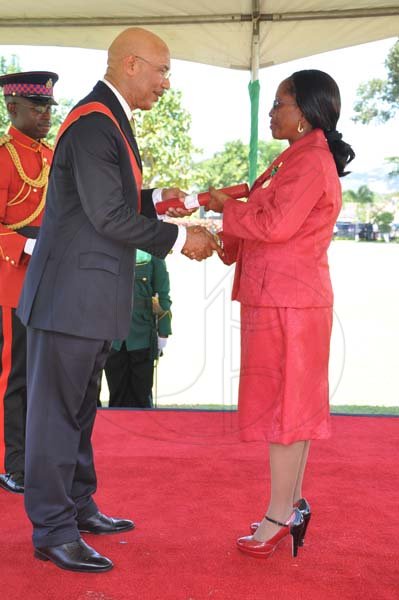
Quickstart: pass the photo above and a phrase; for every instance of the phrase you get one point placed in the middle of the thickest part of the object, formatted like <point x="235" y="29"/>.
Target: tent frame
<point x="127" y="21"/>
<point x="255" y="17"/>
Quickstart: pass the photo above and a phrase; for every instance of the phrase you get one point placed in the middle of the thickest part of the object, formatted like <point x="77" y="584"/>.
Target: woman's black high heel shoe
<point x="303" y="505"/>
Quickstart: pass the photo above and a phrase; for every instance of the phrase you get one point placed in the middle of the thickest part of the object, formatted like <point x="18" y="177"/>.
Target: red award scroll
<point x="202" y="199"/>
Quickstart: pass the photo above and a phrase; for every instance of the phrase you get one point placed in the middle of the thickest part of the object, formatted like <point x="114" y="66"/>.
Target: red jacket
<point x="18" y="201"/>
<point x="280" y="237"/>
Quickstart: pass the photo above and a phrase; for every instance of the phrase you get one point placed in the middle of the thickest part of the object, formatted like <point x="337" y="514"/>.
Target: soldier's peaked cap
<point x="34" y="85"/>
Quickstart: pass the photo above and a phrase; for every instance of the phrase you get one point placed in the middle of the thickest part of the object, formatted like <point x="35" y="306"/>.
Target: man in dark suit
<point x="78" y="293"/>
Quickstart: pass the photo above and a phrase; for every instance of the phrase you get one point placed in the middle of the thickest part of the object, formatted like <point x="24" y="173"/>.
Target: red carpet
<point x="192" y="489"/>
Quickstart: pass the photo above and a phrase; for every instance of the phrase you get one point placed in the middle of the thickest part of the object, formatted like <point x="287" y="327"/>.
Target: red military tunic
<point x="24" y="168"/>
<point x="23" y="181"/>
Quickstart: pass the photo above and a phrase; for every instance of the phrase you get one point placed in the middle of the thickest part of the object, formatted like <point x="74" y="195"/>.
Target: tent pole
<point x="253" y="89"/>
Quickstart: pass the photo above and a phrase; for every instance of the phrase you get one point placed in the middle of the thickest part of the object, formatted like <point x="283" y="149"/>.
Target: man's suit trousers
<point x="60" y="478"/>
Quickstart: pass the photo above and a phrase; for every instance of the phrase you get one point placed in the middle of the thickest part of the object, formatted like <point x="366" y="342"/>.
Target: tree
<point x="166" y="148"/>
<point x="58" y="116"/>
<point x="347" y="197"/>
<point x="11" y="66"/>
<point x="384" y="220"/>
<point x="364" y="198"/>
<point x="394" y="162"/>
<point x="363" y="195"/>
<point x="230" y="166"/>
<point x="379" y="98"/>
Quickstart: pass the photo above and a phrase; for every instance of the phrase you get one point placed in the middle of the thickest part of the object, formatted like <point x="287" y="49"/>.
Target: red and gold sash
<point x="89" y="108"/>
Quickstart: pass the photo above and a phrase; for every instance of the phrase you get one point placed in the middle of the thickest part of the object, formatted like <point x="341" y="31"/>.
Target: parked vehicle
<point x="354" y="231"/>
<point x="345" y="229"/>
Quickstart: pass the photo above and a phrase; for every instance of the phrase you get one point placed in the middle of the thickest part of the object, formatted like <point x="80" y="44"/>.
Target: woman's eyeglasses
<point x="277" y="103"/>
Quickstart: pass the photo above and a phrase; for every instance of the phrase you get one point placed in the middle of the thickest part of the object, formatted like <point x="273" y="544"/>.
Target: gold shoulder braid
<point x="40" y="182"/>
<point x="4" y="139"/>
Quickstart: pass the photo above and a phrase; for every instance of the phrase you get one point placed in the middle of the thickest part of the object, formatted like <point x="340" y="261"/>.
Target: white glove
<point x="29" y="245"/>
<point x="162" y="341"/>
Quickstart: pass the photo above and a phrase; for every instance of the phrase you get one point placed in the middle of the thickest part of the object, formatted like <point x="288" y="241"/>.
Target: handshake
<point x="201" y="244"/>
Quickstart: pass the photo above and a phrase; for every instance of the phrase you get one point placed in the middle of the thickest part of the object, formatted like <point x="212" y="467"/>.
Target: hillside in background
<point x="377" y="179"/>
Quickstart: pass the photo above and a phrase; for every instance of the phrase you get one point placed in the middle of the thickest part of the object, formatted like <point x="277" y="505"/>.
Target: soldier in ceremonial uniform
<point x="25" y="159"/>
<point x="130" y="366"/>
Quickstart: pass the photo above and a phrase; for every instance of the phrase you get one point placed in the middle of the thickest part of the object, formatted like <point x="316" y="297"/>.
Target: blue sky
<point x="218" y="100"/>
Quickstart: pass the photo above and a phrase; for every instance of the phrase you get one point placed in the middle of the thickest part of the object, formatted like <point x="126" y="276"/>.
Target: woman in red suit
<point x="279" y="241"/>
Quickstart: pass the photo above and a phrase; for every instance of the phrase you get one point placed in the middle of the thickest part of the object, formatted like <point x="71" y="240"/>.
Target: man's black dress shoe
<point x="100" y="524"/>
<point x="9" y="482"/>
<point x="75" y="556"/>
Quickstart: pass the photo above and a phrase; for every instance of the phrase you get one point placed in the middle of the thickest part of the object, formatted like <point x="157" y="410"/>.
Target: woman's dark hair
<point x="318" y="97"/>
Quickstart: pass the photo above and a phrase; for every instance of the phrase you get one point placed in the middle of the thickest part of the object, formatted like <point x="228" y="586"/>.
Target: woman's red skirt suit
<point x="279" y="241"/>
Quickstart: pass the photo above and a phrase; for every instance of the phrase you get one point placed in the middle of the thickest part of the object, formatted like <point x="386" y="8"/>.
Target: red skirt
<point x="283" y="392"/>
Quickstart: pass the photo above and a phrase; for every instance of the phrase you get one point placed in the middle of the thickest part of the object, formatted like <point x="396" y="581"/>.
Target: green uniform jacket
<point x="151" y="278"/>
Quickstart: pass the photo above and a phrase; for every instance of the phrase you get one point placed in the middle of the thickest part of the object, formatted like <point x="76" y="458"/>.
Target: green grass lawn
<point x="347" y="409"/>
<point x="353" y="409"/>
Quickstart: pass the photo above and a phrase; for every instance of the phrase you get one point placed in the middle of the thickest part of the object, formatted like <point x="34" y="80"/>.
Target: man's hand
<point x="172" y="193"/>
<point x="200" y="243"/>
<point x="175" y="192"/>
<point x="217" y="200"/>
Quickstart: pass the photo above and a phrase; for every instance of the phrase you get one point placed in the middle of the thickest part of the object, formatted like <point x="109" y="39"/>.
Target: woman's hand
<point x="217" y="200"/>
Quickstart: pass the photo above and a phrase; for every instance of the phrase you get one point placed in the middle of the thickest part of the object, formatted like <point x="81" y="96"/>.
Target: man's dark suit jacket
<point x="80" y="277"/>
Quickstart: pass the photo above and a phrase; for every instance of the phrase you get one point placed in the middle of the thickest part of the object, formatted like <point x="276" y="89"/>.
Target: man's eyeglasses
<point x="163" y="70"/>
<point x="277" y="103"/>
<point x="38" y="108"/>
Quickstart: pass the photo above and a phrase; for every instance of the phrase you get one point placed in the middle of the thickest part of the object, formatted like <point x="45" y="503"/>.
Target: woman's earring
<point x="300" y="127"/>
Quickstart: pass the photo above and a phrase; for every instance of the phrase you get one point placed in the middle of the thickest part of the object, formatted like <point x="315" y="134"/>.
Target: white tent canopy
<point x="212" y="32"/>
<point x="239" y="34"/>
